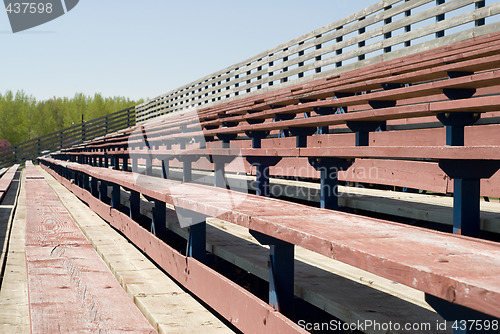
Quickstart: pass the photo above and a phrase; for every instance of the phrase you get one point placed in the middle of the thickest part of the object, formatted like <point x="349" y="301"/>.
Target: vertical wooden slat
<point x="440" y="18"/>
<point x="361" y="44"/>
<point x="408" y="27"/>
<point x="318" y="58"/>
<point x="480" y="4"/>
<point x="387" y="35"/>
<point x="339" y="51"/>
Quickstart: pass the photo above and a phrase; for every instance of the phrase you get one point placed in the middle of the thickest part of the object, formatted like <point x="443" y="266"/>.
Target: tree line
<point x="23" y="117"/>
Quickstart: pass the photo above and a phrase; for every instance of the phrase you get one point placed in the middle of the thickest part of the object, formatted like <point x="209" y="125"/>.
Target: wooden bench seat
<point x="6" y="180"/>
<point x="478" y="105"/>
<point x="458" y="269"/>
<point x="64" y="272"/>
<point x="427" y="153"/>
<point x="476" y="63"/>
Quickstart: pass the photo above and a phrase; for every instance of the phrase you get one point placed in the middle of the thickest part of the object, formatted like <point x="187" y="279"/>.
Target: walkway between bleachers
<point x="65" y="266"/>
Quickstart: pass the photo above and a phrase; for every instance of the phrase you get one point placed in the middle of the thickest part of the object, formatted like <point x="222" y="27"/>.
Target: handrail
<point x="73" y="135"/>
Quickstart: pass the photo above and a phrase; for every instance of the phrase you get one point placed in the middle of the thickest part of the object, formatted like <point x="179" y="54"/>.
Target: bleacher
<point x="365" y="191"/>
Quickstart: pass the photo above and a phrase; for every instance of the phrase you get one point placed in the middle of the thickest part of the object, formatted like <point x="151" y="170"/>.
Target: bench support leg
<point x="103" y="192"/>
<point x="125" y="164"/>
<point x="329" y="168"/>
<point x="197" y="241"/>
<point x="86" y="182"/>
<point x="187" y="161"/>
<point x="219" y="169"/>
<point x="159" y="223"/>
<point x="281" y="272"/>
<point x="115" y="197"/>
<point x="363" y="129"/>
<point x="149" y="166"/>
<point x="187" y="175"/>
<point x="135" y="205"/>
<point x="466" y="211"/>
<point x="80" y="179"/>
<point x="455" y="124"/>
<point x="301" y="135"/>
<point x="135" y="165"/>
<point x="466" y="175"/>
<point x="219" y="174"/>
<point x="165" y="168"/>
<point x="262" y="179"/>
<point x="257" y="136"/>
<point x="262" y="165"/>
<point x="93" y="185"/>
<point x="464" y="320"/>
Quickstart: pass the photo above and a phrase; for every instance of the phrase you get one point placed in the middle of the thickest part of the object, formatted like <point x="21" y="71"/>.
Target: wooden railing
<point x="67" y="137"/>
<point x="383" y="31"/>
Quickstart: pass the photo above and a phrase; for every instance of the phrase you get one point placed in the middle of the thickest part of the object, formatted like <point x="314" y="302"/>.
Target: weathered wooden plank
<point x="70" y="289"/>
<point x="412" y="152"/>
<point x="162" y="301"/>
<point x="7" y="178"/>
<point x="14" y="304"/>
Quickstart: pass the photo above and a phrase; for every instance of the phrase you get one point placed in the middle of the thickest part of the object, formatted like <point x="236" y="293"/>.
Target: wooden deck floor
<point x="167" y="307"/>
<point x="55" y="281"/>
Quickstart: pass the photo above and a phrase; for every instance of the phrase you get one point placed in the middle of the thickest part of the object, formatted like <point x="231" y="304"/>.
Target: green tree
<point x="24" y="118"/>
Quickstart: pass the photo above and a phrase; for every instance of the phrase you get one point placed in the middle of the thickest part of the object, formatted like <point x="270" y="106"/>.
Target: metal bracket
<point x="467" y="175"/>
<point x="262" y="165"/>
<point x="187" y="160"/>
<point x="329" y="168"/>
<point x="455" y="124"/>
<point x="301" y="134"/>
<point x="363" y="129"/>
<point x="226" y="138"/>
<point x="379" y="104"/>
<point x="257" y="137"/>
<point x="459" y="93"/>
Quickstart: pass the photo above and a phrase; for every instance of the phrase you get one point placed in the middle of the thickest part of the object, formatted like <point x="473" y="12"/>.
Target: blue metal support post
<point x="135" y="205"/>
<point x="329" y="169"/>
<point x="165" y="167"/>
<point x="466" y="175"/>
<point x="115" y="196"/>
<point x="197" y="241"/>
<point x="281" y="272"/>
<point x="103" y="192"/>
<point x="159" y="223"/>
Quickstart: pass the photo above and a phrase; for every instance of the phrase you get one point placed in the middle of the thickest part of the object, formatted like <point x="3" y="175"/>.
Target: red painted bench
<point x="458" y="269"/>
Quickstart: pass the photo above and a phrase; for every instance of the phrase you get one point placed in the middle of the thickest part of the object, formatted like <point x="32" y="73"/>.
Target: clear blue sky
<point x="141" y="49"/>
